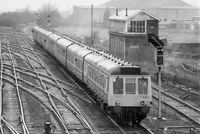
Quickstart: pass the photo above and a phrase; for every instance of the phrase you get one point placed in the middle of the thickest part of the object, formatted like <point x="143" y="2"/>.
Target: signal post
<point x="159" y="61"/>
<point x="158" y="44"/>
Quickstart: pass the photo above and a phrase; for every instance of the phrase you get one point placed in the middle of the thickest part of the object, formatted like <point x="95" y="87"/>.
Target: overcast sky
<point x="12" y="5"/>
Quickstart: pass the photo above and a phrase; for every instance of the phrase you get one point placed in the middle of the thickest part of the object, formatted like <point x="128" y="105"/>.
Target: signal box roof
<point x="142" y="14"/>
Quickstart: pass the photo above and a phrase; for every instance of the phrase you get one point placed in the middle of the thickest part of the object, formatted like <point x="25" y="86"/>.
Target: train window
<point x="142" y="85"/>
<point x="130" y="86"/>
<point x="118" y="86"/>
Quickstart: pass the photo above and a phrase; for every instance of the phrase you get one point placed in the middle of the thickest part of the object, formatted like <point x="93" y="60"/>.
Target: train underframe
<point x="131" y="116"/>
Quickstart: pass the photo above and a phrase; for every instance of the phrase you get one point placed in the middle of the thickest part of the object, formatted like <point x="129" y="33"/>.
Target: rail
<point x="71" y="102"/>
<point x="24" y="126"/>
<point x="1" y="99"/>
<point x="183" y="103"/>
<point x="13" y="131"/>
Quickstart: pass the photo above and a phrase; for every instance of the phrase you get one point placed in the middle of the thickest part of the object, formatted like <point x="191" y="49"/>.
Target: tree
<point x="17" y="17"/>
<point x="49" y="11"/>
<point x="105" y="18"/>
<point x="7" y="23"/>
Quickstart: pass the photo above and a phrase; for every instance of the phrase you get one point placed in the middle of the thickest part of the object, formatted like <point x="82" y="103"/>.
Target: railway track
<point x="12" y="107"/>
<point x="84" y="102"/>
<point x="36" y="83"/>
<point x="18" y="80"/>
<point x="190" y="112"/>
<point x="143" y="129"/>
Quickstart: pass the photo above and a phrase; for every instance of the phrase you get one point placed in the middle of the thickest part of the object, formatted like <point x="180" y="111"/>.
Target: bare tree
<point x="49" y="14"/>
<point x="47" y="8"/>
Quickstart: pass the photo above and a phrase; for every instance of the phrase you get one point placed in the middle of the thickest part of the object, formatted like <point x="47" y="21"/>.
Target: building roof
<point x="130" y="13"/>
<point x="145" y="4"/>
<point x="95" y="7"/>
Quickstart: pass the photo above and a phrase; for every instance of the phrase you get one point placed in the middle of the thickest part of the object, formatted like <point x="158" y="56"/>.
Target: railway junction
<point x="35" y="95"/>
<point x="39" y="93"/>
<point x="40" y="96"/>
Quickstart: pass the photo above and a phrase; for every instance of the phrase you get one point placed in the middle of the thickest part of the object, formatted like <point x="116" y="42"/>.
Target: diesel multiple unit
<point x="119" y="86"/>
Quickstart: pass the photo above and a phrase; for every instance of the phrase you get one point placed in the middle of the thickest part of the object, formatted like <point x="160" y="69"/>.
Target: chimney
<point x="126" y="11"/>
<point x="116" y="12"/>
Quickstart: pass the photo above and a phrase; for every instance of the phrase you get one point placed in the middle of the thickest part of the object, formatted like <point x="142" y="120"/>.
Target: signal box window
<point x="118" y="86"/>
<point x="137" y="27"/>
<point x="142" y="85"/>
<point x="130" y="86"/>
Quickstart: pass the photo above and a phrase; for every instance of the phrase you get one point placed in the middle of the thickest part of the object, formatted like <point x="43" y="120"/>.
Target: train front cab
<point x="130" y="95"/>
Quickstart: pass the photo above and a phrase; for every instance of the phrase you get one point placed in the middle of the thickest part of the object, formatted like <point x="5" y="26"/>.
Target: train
<point x="121" y="88"/>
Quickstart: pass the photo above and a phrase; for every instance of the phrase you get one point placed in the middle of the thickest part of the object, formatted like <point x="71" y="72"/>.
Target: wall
<point x="138" y="50"/>
<point x="174" y="13"/>
<point x="152" y="27"/>
<point x="117" y="45"/>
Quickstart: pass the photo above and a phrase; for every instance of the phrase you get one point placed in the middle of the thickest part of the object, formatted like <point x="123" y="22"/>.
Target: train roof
<point x="44" y="31"/>
<point x="54" y="37"/>
<point x="94" y="58"/>
<point x="83" y="52"/>
<point x="107" y="65"/>
<point x="79" y="50"/>
<point x="111" y="67"/>
<point x="74" y="48"/>
<point x="106" y="62"/>
<point x="39" y="29"/>
<point x="36" y="27"/>
<point x="64" y="42"/>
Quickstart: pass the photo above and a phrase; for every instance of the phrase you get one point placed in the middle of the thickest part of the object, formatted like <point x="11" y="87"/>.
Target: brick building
<point x="128" y="35"/>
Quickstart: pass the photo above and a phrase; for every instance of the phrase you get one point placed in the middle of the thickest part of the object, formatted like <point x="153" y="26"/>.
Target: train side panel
<point x="61" y="51"/>
<point x="71" y="58"/>
<point x="45" y="39"/>
<point x="96" y="79"/>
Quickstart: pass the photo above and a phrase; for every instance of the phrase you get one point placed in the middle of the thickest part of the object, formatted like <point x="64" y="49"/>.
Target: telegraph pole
<point x="92" y="25"/>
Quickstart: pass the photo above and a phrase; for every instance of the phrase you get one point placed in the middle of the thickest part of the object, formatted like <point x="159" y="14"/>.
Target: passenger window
<point x="142" y="85"/>
<point x="118" y="86"/>
<point x="130" y="86"/>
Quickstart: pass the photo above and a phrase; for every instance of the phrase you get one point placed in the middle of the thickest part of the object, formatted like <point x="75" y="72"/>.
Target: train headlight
<point x="145" y="103"/>
<point x="142" y="103"/>
<point x="117" y="103"/>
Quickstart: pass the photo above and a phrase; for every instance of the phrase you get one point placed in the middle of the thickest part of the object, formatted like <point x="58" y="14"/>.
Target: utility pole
<point x="92" y="43"/>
